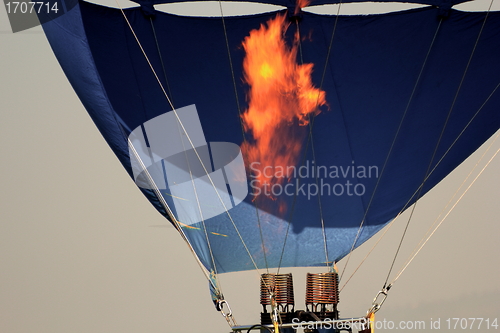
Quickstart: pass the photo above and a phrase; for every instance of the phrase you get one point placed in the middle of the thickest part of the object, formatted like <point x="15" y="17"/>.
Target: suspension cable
<point x="161" y="59"/>
<point x="392" y="144"/>
<point x="187" y="136"/>
<point x="442" y="220"/>
<point x="242" y="127"/>
<point x="169" y="212"/>
<point x="309" y="139"/>
<point x="205" y="230"/>
<point x="376" y="304"/>
<point x="455" y="194"/>
<point x="320" y="205"/>
<point x="421" y="187"/>
<point x="430" y="173"/>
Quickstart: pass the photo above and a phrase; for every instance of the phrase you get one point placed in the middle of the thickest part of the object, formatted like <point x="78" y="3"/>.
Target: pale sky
<point x="82" y="250"/>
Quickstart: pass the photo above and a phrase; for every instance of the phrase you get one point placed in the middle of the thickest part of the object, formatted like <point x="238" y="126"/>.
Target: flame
<point x="281" y="96"/>
<point x="301" y="4"/>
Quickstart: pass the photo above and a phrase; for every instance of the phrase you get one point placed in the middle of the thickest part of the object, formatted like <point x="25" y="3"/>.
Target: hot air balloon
<point x="284" y="139"/>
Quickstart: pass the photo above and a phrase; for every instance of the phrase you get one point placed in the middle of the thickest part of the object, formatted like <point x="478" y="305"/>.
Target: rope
<point x="219" y="287"/>
<point x="442" y="220"/>
<point x="309" y="139"/>
<point x="455" y="194"/>
<point x="437" y="164"/>
<point x="242" y="126"/>
<point x="369" y="252"/>
<point x="392" y="145"/>
<point x="430" y="173"/>
<point x="169" y="212"/>
<point x="438" y="143"/>
<point x="161" y="57"/>
<point x="187" y="136"/>
<point x="320" y="206"/>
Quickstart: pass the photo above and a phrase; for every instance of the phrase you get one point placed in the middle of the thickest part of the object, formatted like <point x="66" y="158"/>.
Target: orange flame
<point x="281" y="96"/>
<point x="301" y="4"/>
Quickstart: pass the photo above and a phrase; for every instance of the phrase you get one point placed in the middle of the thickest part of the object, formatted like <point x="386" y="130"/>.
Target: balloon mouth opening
<point x="243" y="8"/>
